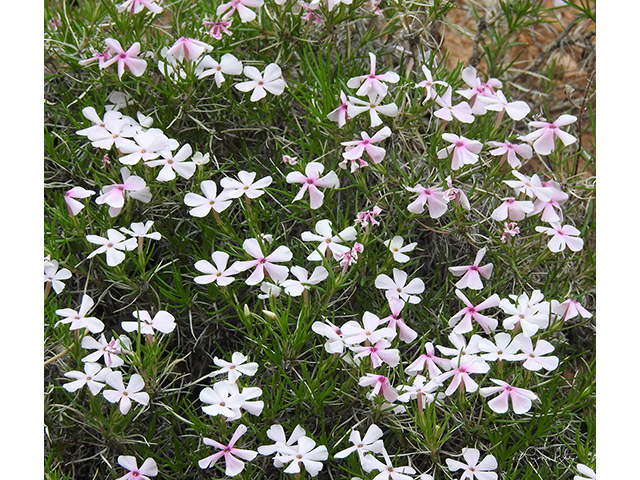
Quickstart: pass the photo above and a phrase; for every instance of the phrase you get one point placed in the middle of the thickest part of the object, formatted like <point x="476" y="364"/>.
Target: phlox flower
<point x="124" y="395"/>
<point x="328" y="242"/>
<point x="531" y="186"/>
<point x="236" y="368"/>
<point x="562" y="237"/>
<point x="373" y="106"/>
<point x="517" y="110"/>
<point x="398" y="287"/>
<point x="114" y="195"/>
<point x="478" y="89"/>
<point x="386" y="469"/>
<point x="269" y="289"/>
<point x="304" y="453"/>
<point x="200" y="159"/>
<point x="552" y="209"/>
<point x="74" y="205"/>
<point x="462" y="348"/>
<point x="174" y="163"/>
<point x="79" y="319"/>
<point x="471" y="273"/>
<point x="281" y="445"/>
<point x="141" y="230"/>
<point x="368" y="217"/>
<point x="373" y="83"/>
<point x="584" y="470"/>
<point x="310" y="8"/>
<point x="92" y="377"/>
<point x="125" y="59"/>
<point x="311" y="180"/>
<point x="335" y="341"/>
<point x="510" y="229"/>
<point x="380" y="384"/>
<point x="289" y="160"/>
<point x="106" y="131"/>
<point x="120" y="100"/>
<point x="245" y="186"/>
<point x="296" y="288"/>
<point x="241" y="6"/>
<point x="188" y="49"/>
<point x="263" y="264"/>
<point x="544" y="138"/>
<point x="340" y="114"/>
<point x="162" y="321"/>
<point x="353" y="333"/>
<point x="136" y="6"/>
<point x="149" y="468"/>
<point x="511" y="152"/>
<point x="462" y="320"/>
<point x="428" y="85"/>
<point x="429" y="361"/>
<point x="110" y="351"/>
<point x="397" y="250"/>
<point x="570" y="308"/>
<point x="456" y="194"/>
<point x="233" y="466"/>
<point x="228" y="65"/>
<point x="462" y="150"/>
<point x="504" y="348"/>
<point x="407" y="334"/>
<point x="420" y="390"/>
<point x="223" y="399"/>
<point x="461" y="111"/>
<point x="520" y="398"/>
<point x="210" y="202"/>
<point x="530" y="313"/>
<point x="218" y="28"/>
<point x="350" y="257"/>
<point x="461" y="371"/>
<point x="513" y="209"/>
<point x="432" y="197"/>
<point x="101" y="57"/>
<point x="534" y="358"/>
<point x="55" y="276"/>
<point x="473" y="469"/>
<point x="271" y="81"/>
<point x="219" y="273"/>
<point x="113" y="246"/>
<point x="371" y="442"/>
<point x="356" y="148"/>
<point x="379" y="353"/>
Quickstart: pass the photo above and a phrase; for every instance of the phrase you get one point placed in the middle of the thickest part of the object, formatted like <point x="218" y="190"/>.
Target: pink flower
<point x="241" y="6"/>
<point x="461" y="371"/>
<point x="79" y="319"/>
<point x="552" y="209"/>
<point x="562" y="237"/>
<point x="380" y="384"/>
<point x="516" y="110"/>
<point x="114" y="195"/>
<point x="353" y="333"/>
<point x="223" y="399"/>
<point x="504" y="348"/>
<point x="219" y="274"/>
<point x="420" y="390"/>
<point x="372" y="82"/>
<point x="148" y="469"/>
<point x="379" y="353"/>
<point x="531" y="313"/>
<point x="511" y="151"/>
<point x="471" y="273"/>
<point x="128" y="59"/>
<point x="473" y="469"/>
<point x="544" y="139"/>
<point x="356" y="148"/>
<point x="478" y="89"/>
<point x="456" y="194"/>
<point x="304" y="453"/>
<point x="188" y="49"/>
<point x="511" y="229"/>
<point x="100" y="57"/>
<point x="461" y="111"/>
<point x="271" y="81"/>
<point x="531" y="186"/>
<point x="75" y="206"/>
<point x="512" y="209"/>
<point x="311" y="180"/>
<point x="174" y="163"/>
<point x="210" y="202"/>
<point x="520" y="398"/>
<point x="366" y="218"/>
<point x="123" y="394"/>
<point x="433" y="197"/>
<point x="262" y="264"/>
<point x="571" y="308"/>
<point x="398" y="287"/>
<point x="386" y="469"/>
<point x="428" y="85"/>
<point x="340" y="114"/>
<point x="335" y="342"/>
<point x="463" y="151"/>
<point x="233" y="466"/>
<point x="470" y="313"/>
<point x="328" y="241"/>
<point x="109" y="350"/>
<point x="218" y="28"/>
<point x="429" y="361"/>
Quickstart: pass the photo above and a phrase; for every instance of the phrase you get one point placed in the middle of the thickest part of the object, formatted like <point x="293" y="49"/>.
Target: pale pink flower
<point x="504" y="348"/>
<point x="397" y="250"/>
<point x="512" y="209"/>
<point x="428" y="85"/>
<point x="420" y="389"/>
<point x="552" y="209"/>
<point x="101" y="57"/>
<point x="356" y="148"/>
<point x="79" y="319"/>
<point x="463" y="319"/>
<point x="174" y="163"/>
<point x="245" y="185"/>
<point x="511" y="151"/>
<point x="149" y="468"/>
<point x="311" y="180"/>
<point x="478" y="89"/>
<point x="210" y="202"/>
<point x="340" y="114"/>
<point x="535" y="358"/>
<point x="218" y="28"/>
<point x="368" y="217"/>
<point x="113" y="246"/>
<point x="233" y="466"/>
<point x="373" y="82"/>
<point x="188" y="49"/>
<point x="398" y="287"/>
<point x="73" y="205"/>
<point x="271" y="81"/>
<point x="311" y="15"/>
<point x="516" y="110"/>
<point x="236" y="367"/>
<point x="162" y="321"/>
<point x="531" y="186"/>
<point x="241" y="6"/>
<point x="124" y="395"/>
<point x="530" y="313"/>
<point x="92" y="377"/>
<point x="462" y="349"/>
<point x="456" y="194"/>
<point x="263" y="264"/>
<point x="562" y="237"/>
<point x="228" y="65"/>
<point x="461" y="111"/>
<point x="353" y="333"/>
<point x="141" y="230"/>
<point x="432" y="197"/>
<point x="350" y="257"/>
<point x="471" y="273"/>
<point x="114" y="195"/>
<point x="110" y="351"/>
<point x="304" y="453"/>
<point x="328" y="241"/>
<point x="429" y="361"/>
<point x="379" y="353"/>
<point x="55" y="276"/>
<point x="386" y="469"/>
<point x="126" y="59"/>
<point x="281" y="445"/>
<point x="380" y="384"/>
<point x="371" y="442"/>
<point x="473" y="469"/>
<point x="289" y="160"/>
<point x="374" y="107"/>
<point x="136" y="6"/>
<point x="511" y="229"/>
<point x="295" y="288"/>
<point x="335" y="341"/>
<point x="331" y="4"/>
<point x="571" y="308"/>
<point x="219" y="273"/>
<point x="407" y="334"/>
<point x="520" y="398"/>
<point x="544" y="138"/>
<point x="462" y="151"/>
<point x="223" y="399"/>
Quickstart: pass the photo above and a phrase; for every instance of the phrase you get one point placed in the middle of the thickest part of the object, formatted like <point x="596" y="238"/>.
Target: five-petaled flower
<point x="520" y="398"/>
<point x="55" y="276"/>
<point x="471" y="273"/>
<point x="79" y="319"/>
<point x="219" y="273"/>
<point x="562" y="237"/>
<point x="162" y="321"/>
<point x="373" y="83"/>
<point x="311" y="180"/>
<point x="126" y="59"/>
<point x="113" y="246"/>
<point x="93" y="376"/>
<point x="210" y="202"/>
<point x="70" y="199"/>
<point x="473" y="469"/>
<point x="149" y="468"/>
<point x="109" y="350"/>
<point x="271" y="81"/>
<point x="462" y="150"/>
<point x="397" y="250"/>
<point x="240" y="6"/>
<point x="398" y="287"/>
<point x="123" y="394"/>
<point x="263" y="264"/>
<point x="432" y="197"/>
<point x="356" y="148"/>
<point x="544" y="138"/>
<point x="471" y="312"/>
<point x="233" y="466"/>
<point x="236" y="367"/>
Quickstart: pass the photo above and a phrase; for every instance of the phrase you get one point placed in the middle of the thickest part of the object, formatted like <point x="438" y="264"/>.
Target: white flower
<point x="398" y="251"/>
